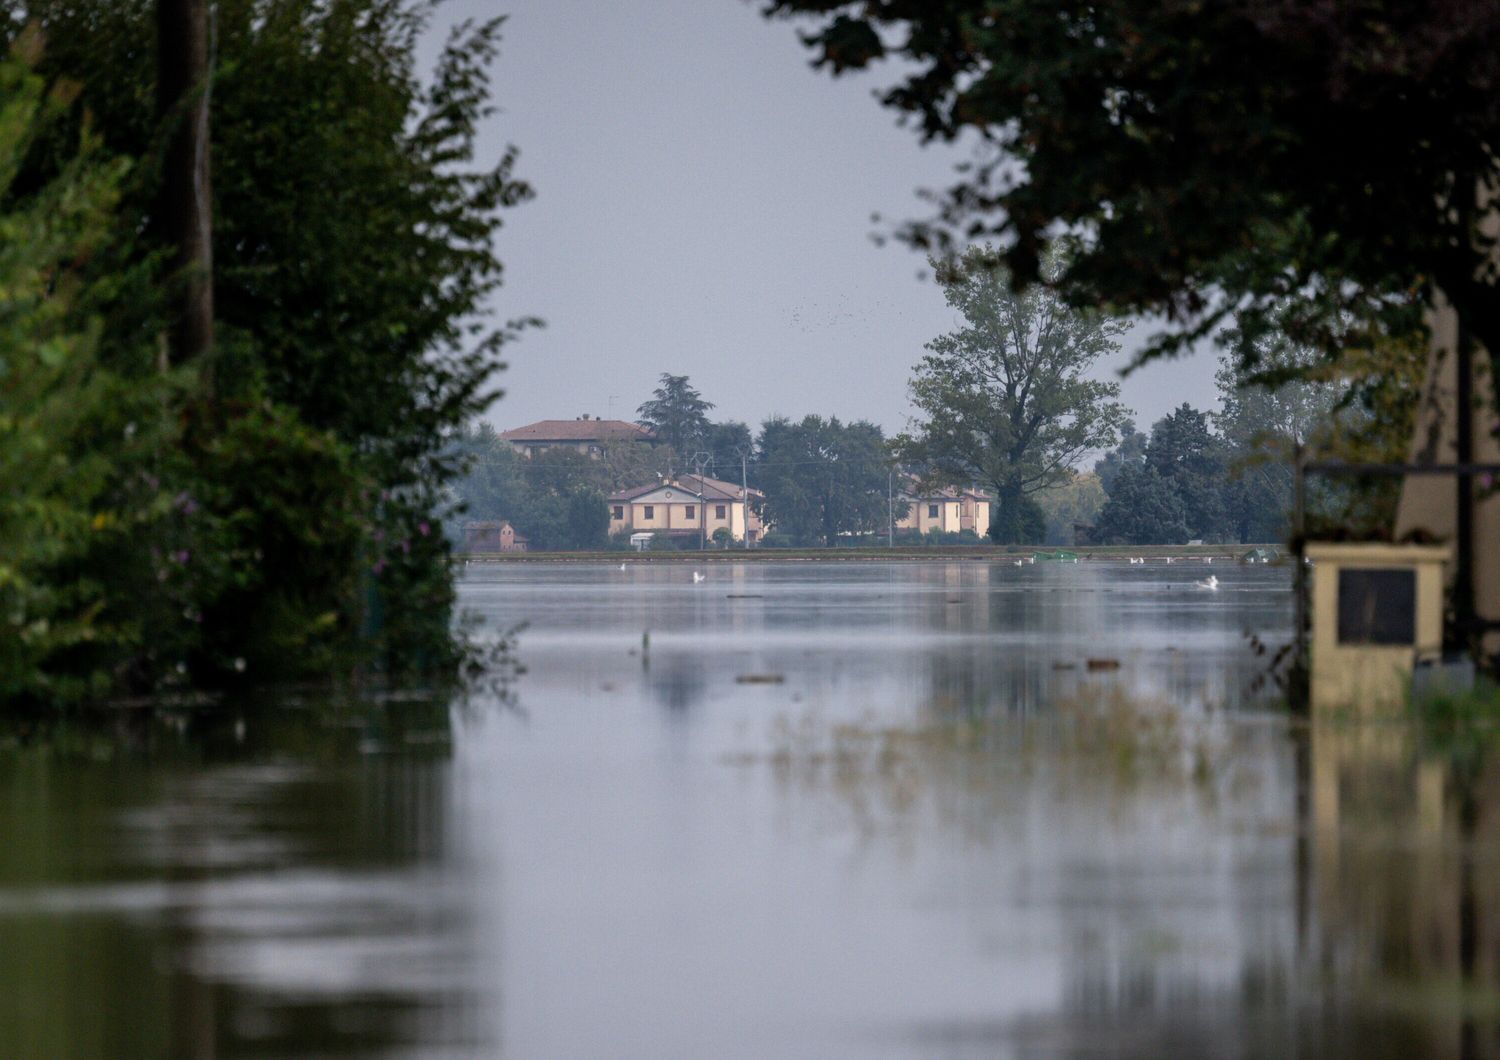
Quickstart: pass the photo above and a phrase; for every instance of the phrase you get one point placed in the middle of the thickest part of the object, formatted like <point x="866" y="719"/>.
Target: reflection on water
<point x="948" y="809"/>
<point x="267" y="885"/>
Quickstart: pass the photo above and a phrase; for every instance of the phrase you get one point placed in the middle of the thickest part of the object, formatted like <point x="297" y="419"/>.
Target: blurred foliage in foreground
<point x="282" y="525"/>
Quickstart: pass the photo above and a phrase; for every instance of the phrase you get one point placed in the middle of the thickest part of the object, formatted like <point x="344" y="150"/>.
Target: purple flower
<point x="379" y="566"/>
<point x="180" y="556"/>
<point x="423" y="528"/>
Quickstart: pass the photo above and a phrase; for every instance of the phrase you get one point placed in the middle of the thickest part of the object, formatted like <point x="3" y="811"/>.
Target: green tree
<point x="587" y="520"/>
<point x="76" y="439"/>
<point x="1143" y="509"/>
<point x="679" y="416"/>
<point x="1004" y="400"/>
<point x="1130" y="450"/>
<point x="1347" y="181"/>
<point x="724" y="442"/>
<point x="493" y="484"/>
<point x="1265" y="414"/>
<point x="630" y="464"/>
<point x="354" y="270"/>
<point x="822" y="478"/>
<point x="1187" y="456"/>
<point x="1077" y="501"/>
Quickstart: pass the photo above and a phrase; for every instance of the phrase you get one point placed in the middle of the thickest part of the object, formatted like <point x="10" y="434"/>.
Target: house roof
<point x="589" y="430"/>
<point x="910" y="490"/>
<point x="715" y="489"/>
<point x="709" y="489"/>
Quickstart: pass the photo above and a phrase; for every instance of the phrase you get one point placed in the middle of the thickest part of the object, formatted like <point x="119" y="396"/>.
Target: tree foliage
<point x="557" y="499"/>
<point x="1313" y="169"/>
<point x="354" y="244"/>
<point x="1193" y="462"/>
<point x="822" y="478"/>
<point x="75" y="437"/>
<point x="1143" y="509"/>
<point x="1074" y="502"/>
<point x="1005" y="400"/>
<point x="678" y="414"/>
<point x="725" y="442"/>
<point x="1130" y="450"/>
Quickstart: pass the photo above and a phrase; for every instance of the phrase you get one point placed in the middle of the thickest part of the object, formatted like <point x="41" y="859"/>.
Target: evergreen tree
<point x="679" y="416"/>
<point x="1143" y="509"/>
<point x="1190" y="460"/>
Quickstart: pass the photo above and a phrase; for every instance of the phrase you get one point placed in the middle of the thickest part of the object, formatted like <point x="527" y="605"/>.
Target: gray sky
<point x="703" y="206"/>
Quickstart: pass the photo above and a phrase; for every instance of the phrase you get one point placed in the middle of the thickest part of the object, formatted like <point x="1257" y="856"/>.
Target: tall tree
<point x="725" y="442"/>
<point x="1005" y="400"/>
<point x="1265" y="414"/>
<point x="822" y="478"/>
<point x="1191" y="460"/>
<point x="186" y="207"/>
<point x="354" y="272"/>
<point x="1130" y="450"/>
<point x="79" y="442"/>
<point x="679" y="416"/>
<point x="1143" y="509"/>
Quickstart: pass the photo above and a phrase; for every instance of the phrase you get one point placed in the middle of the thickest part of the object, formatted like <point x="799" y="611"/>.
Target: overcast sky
<point x="703" y="207"/>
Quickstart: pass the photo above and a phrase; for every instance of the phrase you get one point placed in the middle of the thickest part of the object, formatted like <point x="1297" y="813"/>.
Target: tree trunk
<point x="1005" y="527"/>
<point x="185" y="206"/>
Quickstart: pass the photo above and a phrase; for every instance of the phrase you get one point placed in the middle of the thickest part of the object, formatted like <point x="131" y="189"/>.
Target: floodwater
<point x="947" y="809"/>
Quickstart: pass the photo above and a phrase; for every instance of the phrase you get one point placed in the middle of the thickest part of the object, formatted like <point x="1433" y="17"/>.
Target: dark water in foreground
<point x="836" y="810"/>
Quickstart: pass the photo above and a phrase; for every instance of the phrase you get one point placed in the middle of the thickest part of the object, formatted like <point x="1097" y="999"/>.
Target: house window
<point x="932" y="511"/>
<point x="650" y="512"/>
<point x="692" y="511"/>
<point x="619" y="511"/>
<point x="718" y="511"/>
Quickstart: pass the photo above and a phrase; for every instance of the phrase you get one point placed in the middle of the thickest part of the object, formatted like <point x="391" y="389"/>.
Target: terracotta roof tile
<point x="579" y="431"/>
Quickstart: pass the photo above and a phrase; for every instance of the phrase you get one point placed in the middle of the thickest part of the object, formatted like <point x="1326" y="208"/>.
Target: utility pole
<point x="183" y="81"/>
<point x="890" y="508"/>
<point x="744" y="455"/>
<point x="1298" y="688"/>
<point x="700" y="459"/>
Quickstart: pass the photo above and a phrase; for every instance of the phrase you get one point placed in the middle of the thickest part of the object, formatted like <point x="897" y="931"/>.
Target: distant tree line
<point x="1006" y="402"/>
<point x="823" y="479"/>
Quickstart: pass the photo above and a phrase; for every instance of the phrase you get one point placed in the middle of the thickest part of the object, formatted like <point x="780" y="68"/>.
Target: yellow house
<point x="947" y="511"/>
<point x="687" y="506"/>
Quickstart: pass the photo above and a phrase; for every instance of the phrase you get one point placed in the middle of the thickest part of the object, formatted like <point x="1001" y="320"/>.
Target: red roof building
<point x="592" y="437"/>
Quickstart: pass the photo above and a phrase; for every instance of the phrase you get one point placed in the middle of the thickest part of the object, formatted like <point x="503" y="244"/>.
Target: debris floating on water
<point x="759" y="679"/>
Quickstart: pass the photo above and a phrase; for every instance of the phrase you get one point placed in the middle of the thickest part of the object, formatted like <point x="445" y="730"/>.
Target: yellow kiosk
<point x="1376" y="610"/>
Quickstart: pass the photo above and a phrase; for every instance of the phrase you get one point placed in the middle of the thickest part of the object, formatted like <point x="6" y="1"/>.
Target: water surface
<point x="940" y="809"/>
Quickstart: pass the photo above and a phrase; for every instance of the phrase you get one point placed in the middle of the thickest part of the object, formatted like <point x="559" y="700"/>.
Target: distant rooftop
<point x="910" y="490"/>
<point x="580" y="430"/>
<point x="710" y="489"/>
